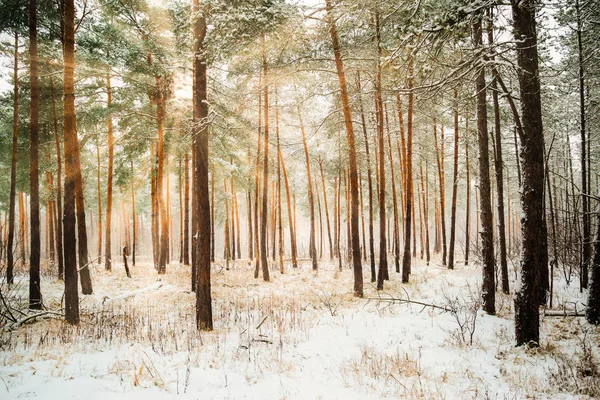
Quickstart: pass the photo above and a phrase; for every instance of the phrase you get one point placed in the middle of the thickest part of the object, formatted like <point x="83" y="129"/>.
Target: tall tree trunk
<point x="257" y="181"/>
<point x="369" y="183"/>
<point x="133" y="217"/>
<point x="468" y="206"/>
<point x="311" y="203"/>
<point x="439" y="151"/>
<point x="59" y="222"/>
<point x="586" y="239"/>
<point x="291" y="221"/>
<point x="498" y="166"/>
<point x="226" y="235"/>
<point x="487" y="249"/>
<point x="264" y="257"/>
<point x="454" y="185"/>
<point x="99" y="233"/>
<point x="49" y="217"/>
<point x="13" y="169"/>
<point x="163" y="252"/>
<point x="109" y="184"/>
<point x="70" y="141"/>
<point x="279" y="219"/>
<point x="383" y="262"/>
<point x="186" y="213"/>
<point x="35" y="294"/>
<point x="326" y="209"/>
<point x="425" y="197"/>
<point x="202" y="230"/>
<point x="406" y="259"/>
<point x="534" y="251"/>
<point x="82" y="247"/>
<point x="356" y="261"/>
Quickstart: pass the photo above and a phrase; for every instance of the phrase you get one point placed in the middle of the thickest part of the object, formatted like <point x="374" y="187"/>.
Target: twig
<point x="263" y="320"/>
<point x="405" y="301"/>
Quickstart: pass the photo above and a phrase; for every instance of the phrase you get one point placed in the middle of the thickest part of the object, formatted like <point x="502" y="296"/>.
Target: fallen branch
<point x="22" y="321"/>
<point x="408" y="301"/>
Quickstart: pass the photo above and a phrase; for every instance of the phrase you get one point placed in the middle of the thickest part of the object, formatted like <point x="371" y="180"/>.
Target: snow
<point x="301" y="336"/>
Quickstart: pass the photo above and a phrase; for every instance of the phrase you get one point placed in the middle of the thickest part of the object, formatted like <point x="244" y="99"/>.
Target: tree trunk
<point x="592" y="311"/>
<point x="163" y="252"/>
<point x="279" y="212"/>
<point x="439" y="151"/>
<point x="82" y="247"/>
<point x="498" y="166"/>
<point x="291" y="221"/>
<point x="487" y="249"/>
<point x="70" y="142"/>
<point x="109" y="185"/>
<point x="356" y="261"/>
<point x="425" y="197"/>
<point x="35" y="294"/>
<point x="406" y="259"/>
<point x="586" y="239"/>
<point x="454" y="185"/>
<point x="13" y="169"/>
<point x="186" y="213"/>
<point x="133" y="218"/>
<point x="534" y="251"/>
<point x="468" y="206"/>
<point x="326" y="209"/>
<point x="99" y="233"/>
<point x="311" y="204"/>
<point x="264" y="256"/>
<point x="202" y="230"/>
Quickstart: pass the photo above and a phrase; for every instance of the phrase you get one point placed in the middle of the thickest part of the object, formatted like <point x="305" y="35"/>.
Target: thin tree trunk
<point x="487" y="250"/>
<point x="439" y="150"/>
<point x="263" y="221"/>
<point x="406" y="260"/>
<point x="311" y="206"/>
<point x="35" y="294"/>
<point x="70" y="142"/>
<point x="13" y="169"/>
<point x="454" y="185"/>
<point x="425" y="196"/>
<point x="326" y="209"/>
<point x="291" y="221"/>
<point x="133" y="217"/>
<point x="109" y="185"/>
<point x="99" y="233"/>
<point x="186" y="214"/>
<point x="468" y="205"/>
<point x="163" y="252"/>
<point x="499" y="166"/>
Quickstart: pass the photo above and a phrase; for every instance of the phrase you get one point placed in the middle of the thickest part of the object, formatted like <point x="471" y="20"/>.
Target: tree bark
<point x="35" y="294"/>
<point x="356" y="261"/>
<point x="499" y="166"/>
<point x="406" y="259"/>
<point x="109" y="183"/>
<point x="264" y="256"/>
<point x="534" y="250"/>
<point x="70" y="142"/>
<point x="202" y="230"/>
<point x="487" y="244"/>
<point x="13" y="169"/>
<point x="454" y="186"/>
<point x="186" y="207"/>
<point x="311" y="203"/>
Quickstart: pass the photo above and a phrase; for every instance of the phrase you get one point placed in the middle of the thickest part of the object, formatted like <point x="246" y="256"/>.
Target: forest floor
<point x="301" y="336"/>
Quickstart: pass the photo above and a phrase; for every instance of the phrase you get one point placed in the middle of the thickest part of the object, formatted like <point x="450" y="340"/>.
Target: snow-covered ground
<point x="301" y="336"/>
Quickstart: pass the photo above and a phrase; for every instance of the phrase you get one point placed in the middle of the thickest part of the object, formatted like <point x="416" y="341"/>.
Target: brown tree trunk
<point x="396" y="242"/>
<point x="133" y="218"/>
<point x="13" y="169"/>
<point x="49" y="217"/>
<point x="454" y="185"/>
<point x="425" y="196"/>
<point x="59" y="222"/>
<point x="163" y="252"/>
<point x="82" y="247"/>
<point x="109" y="186"/>
<point x="35" y="294"/>
<point x="291" y="221"/>
<point x="468" y="205"/>
<point x="439" y="151"/>
<point x="312" y="251"/>
<point x="202" y="230"/>
<point x="356" y="261"/>
<point x="186" y="213"/>
<point x="70" y="142"/>
<point x="99" y="233"/>
<point x="487" y="244"/>
<point x="498" y="166"/>
<point x="264" y="256"/>
<point x="534" y="250"/>
<point x="226" y="235"/>
<point x="326" y="209"/>
<point x="406" y="259"/>
<point x="279" y="212"/>
<point x="257" y="181"/>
